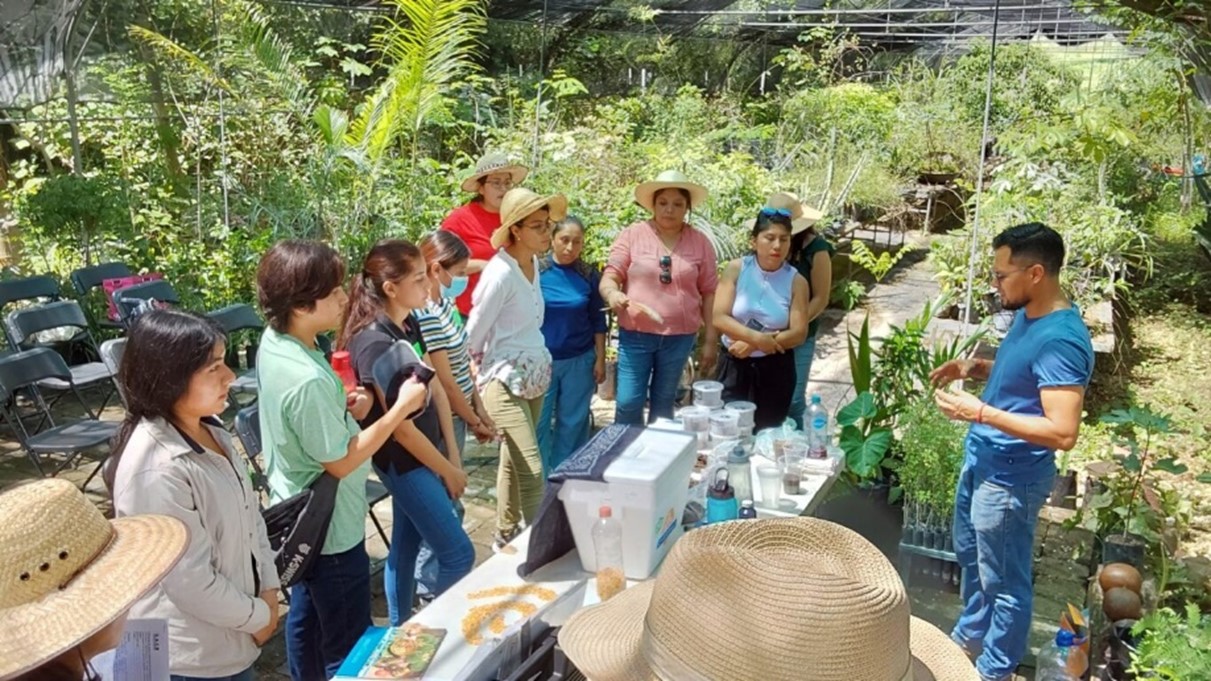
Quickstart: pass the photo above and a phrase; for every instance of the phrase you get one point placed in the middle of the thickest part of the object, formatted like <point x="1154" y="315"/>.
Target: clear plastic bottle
<point x="607" y="547"/>
<point x="1063" y="660"/>
<point x="817" y="429"/>
<point x="740" y="473"/>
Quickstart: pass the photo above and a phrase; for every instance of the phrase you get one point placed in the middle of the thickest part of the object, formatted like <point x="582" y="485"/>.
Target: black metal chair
<point x="25" y="323"/>
<point x="248" y="430"/>
<point x="234" y="319"/>
<point x="87" y="280"/>
<point x="71" y="439"/>
<point x="131" y="299"/>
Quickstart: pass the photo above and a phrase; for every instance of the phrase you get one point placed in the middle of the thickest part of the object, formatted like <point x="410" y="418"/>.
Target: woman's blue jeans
<point x="563" y="425"/>
<point x="649" y="370"/>
<point x="994" y="542"/>
<point x="329" y="612"/>
<point x="803" y="370"/>
<point x="422" y="510"/>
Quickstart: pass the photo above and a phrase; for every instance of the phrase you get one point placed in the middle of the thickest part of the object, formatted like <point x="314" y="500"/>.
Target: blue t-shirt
<point x="1052" y="351"/>
<point x="573" y="309"/>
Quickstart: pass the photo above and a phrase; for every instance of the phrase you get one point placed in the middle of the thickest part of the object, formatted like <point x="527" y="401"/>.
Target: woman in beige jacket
<point x="173" y="457"/>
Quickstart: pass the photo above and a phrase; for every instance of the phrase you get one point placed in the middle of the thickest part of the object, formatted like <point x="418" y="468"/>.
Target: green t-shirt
<point x="804" y="264"/>
<point x="304" y="423"/>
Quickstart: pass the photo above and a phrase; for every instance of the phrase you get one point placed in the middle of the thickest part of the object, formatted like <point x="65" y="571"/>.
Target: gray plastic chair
<point x="128" y="300"/>
<point x="112" y="351"/>
<point x="23" y="324"/>
<point x="233" y="319"/>
<point x="248" y="430"/>
<point x="71" y="439"/>
<point x="87" y="280"/>
<point x="40" y="288"/>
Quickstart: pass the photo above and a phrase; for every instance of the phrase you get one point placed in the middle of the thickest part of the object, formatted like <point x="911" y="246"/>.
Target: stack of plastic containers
<point x="745" y="411"/>
<point x="697" y="420"/>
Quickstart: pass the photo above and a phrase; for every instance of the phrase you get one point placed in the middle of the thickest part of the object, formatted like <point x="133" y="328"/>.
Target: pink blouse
<point x="635" y="261"/>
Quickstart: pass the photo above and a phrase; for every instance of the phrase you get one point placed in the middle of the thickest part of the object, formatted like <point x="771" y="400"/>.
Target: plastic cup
<point x="696" y="419"/>
<point x="793" y="456"/>
<point x="771" y="484"/>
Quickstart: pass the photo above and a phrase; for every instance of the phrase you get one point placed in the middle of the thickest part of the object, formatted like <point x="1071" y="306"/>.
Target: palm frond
<point x="276" y="57"/>
<point x="427" y="51"/>
<point x="171" y="50"/>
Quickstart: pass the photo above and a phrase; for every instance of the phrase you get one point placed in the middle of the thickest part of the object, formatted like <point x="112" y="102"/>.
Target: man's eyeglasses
<point x="998" y="277"/>
<point x="666" y="269"/>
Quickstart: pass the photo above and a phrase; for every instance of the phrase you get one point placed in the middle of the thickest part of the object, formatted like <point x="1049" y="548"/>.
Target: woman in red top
<point x="475" y="220"/>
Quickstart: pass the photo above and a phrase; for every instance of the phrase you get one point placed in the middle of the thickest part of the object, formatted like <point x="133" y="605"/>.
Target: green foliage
<point x="878" y="266"/>
<point x="933" y="452"/>
<point x="1172" y="646"/>
<point x="865" y="438"/>
<point x="87" y="210"/>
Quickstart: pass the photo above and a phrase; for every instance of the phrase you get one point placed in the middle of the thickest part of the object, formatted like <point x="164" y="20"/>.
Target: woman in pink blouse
<point x="660" y="280"/>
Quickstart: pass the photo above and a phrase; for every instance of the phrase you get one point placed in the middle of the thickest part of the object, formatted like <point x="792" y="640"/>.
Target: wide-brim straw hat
<point x="670" y="179"/>
<point x="491" y="164"/>
<point x="764" y="600"/>
<point x="519" y="203"/>
<point x="803" y="216"/>
<point x="66" y="572"/>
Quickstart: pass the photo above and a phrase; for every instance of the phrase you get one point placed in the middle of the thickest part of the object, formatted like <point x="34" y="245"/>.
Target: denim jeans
<point x="994" y="541"/>
<point x="426" y="560"/>
<point x="421" y="509"/>
<point x="649" y="360"/>
<point x="329" y="612"/>
<point x="520" y="480"/>
<point x="246" y="675"/>
<point x="803" y="371"/>
<point x="567" y="404"/>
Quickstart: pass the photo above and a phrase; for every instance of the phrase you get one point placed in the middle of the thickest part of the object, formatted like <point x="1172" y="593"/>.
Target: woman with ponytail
<point x="424" y="483"/>
<point x="173" y="457"/>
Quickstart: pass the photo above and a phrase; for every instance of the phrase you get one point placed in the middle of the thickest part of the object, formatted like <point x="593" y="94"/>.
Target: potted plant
<point x="928" y="472"/>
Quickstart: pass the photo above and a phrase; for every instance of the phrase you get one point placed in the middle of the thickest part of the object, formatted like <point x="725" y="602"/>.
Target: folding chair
<point x="112" y="351"/>
<point x="128" y="300"/>
<point x="248" y="429"/>
<point x="40" y="288"/>
<point x="233" y="319"/>
<point x="71" y="439"/>
<point x="87" y="280"/>
<point x="23" y="324"/>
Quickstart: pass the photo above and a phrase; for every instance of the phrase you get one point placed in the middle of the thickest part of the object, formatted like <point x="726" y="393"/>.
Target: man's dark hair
<point x="296" y="274"/>
<point x="1033" y="243"/>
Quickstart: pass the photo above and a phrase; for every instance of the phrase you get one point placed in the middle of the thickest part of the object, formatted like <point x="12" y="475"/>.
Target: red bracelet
<point x="980" y="413"/>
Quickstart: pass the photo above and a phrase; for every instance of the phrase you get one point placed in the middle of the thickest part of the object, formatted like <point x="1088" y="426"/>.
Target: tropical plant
<point x="1172" y="647"/>
<point x="866" y="434"/>
<point x="88" y="208"/>
<point x="879" y="265"/>
<point x="931" y="447"/>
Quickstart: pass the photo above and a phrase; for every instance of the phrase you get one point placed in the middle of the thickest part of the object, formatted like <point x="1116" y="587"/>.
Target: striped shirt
<point x="442" y="328"/>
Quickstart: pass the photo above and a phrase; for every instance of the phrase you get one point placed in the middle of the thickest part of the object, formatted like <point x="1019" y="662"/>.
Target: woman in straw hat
<point x="764" y="600"/>
<point x="761" y="312"/>
<point x="660" y="280"/>
<point x="173" y="457"/>
<point x="505" y="337"/>
<point x="475" y="221"/>
<point x="812" y="255"/>
<point x="68" y="577"/>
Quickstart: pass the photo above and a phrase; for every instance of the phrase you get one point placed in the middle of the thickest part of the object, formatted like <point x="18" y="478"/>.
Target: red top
<point x="474" y="226"/>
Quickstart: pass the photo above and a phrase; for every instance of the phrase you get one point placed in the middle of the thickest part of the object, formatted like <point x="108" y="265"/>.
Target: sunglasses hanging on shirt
<point x="666" y="269"/>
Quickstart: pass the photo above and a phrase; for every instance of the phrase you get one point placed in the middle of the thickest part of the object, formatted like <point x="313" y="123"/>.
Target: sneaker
<point x="500" y="541"/>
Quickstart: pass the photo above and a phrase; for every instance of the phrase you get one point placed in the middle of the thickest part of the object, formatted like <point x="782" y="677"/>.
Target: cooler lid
<point x="650" y="455"/>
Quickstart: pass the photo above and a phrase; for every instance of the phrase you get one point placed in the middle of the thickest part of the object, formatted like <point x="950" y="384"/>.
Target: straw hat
<point x="517" y="205"/>
<point x="491" y="164"/>
<point x="66" y="572"/>
<point x="764" y="600"/>
<point x="670" y="179"/>
<point x="802" y="215"/>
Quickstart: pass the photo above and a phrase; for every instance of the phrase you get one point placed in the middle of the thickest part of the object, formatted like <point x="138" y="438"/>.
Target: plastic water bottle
<point x="817" y="429"/>
<point x="1063" y="660"/>
<point x="607" y="547"/>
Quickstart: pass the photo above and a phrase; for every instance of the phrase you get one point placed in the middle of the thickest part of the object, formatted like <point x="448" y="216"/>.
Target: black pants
<point x="768" y="382"/>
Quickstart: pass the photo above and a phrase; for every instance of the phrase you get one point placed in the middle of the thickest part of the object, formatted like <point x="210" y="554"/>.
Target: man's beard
<point x="1014" y="305"/>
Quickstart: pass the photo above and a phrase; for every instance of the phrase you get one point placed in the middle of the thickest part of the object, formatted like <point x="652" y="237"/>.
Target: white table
<point x="573" y="588"/>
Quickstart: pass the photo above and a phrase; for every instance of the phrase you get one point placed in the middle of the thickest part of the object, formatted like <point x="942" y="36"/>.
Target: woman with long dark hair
<point x="392" y="283"/>
<point x="173" y="457"/>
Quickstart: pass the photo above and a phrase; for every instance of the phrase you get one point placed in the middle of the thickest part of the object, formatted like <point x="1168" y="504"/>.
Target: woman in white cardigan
<point x="173" y="457"/>
<point x="505" y="339"/>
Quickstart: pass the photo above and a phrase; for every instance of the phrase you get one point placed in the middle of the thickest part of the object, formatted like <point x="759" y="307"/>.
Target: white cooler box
<point x="647" y="487"/>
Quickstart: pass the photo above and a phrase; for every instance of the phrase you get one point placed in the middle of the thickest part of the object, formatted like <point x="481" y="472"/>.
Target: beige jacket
<point x="210" y="598"/>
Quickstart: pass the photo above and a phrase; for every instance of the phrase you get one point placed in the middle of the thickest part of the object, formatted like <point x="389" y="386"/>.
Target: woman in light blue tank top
<point x="761" y="315"/>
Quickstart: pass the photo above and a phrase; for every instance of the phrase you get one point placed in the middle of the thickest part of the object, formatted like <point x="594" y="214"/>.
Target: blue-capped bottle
<point x="721" y="499"/>
<point x="747" y="511"/>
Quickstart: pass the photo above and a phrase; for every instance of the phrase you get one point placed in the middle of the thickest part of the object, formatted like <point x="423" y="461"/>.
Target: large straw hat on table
<point x="66" y="572"/>
<point x="670" y="179"/>
<point x="519" y="203"/>
<point x="802" y="215"/>
<point x="764" y="600"/>
<point x="491" y="164"/>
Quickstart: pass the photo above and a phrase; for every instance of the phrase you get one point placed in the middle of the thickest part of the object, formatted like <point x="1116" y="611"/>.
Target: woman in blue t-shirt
<point x="574" y="328"/>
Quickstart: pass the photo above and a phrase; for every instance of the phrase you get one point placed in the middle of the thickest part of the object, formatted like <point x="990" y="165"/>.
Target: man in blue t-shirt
<point x="1031" y="406"/>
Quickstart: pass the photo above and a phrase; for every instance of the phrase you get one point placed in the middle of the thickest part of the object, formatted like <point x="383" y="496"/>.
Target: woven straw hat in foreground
<point x="519" y="203"/>
<point x="66" y="572"/>
<point x="764" y="600"/>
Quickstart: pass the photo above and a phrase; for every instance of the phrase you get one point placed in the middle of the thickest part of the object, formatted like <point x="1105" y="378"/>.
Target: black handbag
<point x="298" y="526"/>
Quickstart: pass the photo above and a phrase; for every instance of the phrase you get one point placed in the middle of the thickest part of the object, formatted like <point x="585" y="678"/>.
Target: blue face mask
<point x="456" y="287"/>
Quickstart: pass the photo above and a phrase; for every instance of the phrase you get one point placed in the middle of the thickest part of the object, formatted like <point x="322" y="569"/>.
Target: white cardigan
<point x="504" y="332"/>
